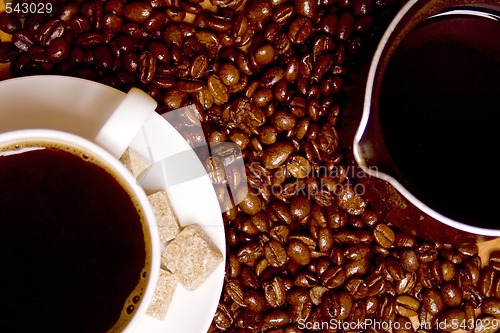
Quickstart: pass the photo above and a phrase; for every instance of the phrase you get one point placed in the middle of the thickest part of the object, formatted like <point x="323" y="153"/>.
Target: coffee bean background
<point x="272" y="76"/>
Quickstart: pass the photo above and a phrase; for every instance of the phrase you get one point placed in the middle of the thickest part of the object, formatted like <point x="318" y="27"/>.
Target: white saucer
<point x="81" y="107"/>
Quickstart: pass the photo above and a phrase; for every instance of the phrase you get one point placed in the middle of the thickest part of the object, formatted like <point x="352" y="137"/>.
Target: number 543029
<point x="28" y="8"/>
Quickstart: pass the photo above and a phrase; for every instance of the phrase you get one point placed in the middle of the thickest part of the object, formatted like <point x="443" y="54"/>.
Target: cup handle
<point x="125" y="122"/>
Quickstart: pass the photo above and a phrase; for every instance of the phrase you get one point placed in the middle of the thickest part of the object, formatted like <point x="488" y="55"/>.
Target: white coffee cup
<point x="110" y="143"/>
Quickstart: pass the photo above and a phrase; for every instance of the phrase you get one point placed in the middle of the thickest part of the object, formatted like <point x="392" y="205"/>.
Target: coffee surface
<point x="439" y="114"/>
<point x="72" y="248"/>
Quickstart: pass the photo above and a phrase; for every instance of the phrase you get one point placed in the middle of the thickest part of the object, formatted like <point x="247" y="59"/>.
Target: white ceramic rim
<point x="50" y="135"/>
<point x="364" y="122"/>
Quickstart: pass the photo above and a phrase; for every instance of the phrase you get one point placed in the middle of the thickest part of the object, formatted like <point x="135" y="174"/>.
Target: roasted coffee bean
<point x="402" y="239"/>
<point x="299" y="30"/>
<point x="274" y="292"/>
<point x="426" y="252"/>
<point x="432" y="301"/>
<point x="300" y="303"/>
<point x="276" y="318"/>
<point x="298" y="251"/>
<point x="283" y="120"/>
<point x="254" y="300"/>
<point x="346" y="236"/>
<point x="58" y="51"/>
<point x="316" y="294"/>
<point x="51" y="30"/>
<point x="300" y="207"/>
<point x="146" y="67"/>
<point x="113" y="6"/>
<point x="137" y="11"/>
<point x="336" y="305"/>
<point x="249" y="253"/>
<point x="261" y="97"/>
<point x="218" y="23"/>
<point x="298" y="166"/>
<point x="280" y="232"/>
<point x="386" y="310"/>
<point x="407" y="284"/>
<point x="229" y="74"/>
<point x="452" y="255"/>
<point x="276" y="154"/>
<point x="435" y="269"/>
<point x="487" y="281"/>
<point x="281" y="210"/>
<point x="9" y="23"/>
<point x="23" y="40"/>
<point x="333" y="277"/>
<point x="223" y="317"/>
<point x="371" y="305"/>
<point x="491" y="306"/>
<point x="448" y="270"/>
<point x="218" y="89"/>
<point x="376" y="284"/>
<point x="468" y="249"/>
<point x="305" y="279"/>
<point x="175" y="14"/>
<point x="89" y="39"/>
<point x="208" y="39"/>
<point x="409" y="260"/>
<point x="354" y="204"/>
<point x="384" y="235"/>
<point x="407" y="306"/>
<point x="112" y="24"/>
<point x="357" y="287"/>
<point x="190" y="85"/>
<point x="275" y="253"/>
<point x="325" y="239"/>
<point x="264" y="55"/>
<point x="329" y="23"/>
<point x="494" y="260"/>
<point x="322" y="264"/>
<point x="451" y="293"/>
<point x="248" y="319"/>
<point x="248" y="278"/>
<point x="38" y="54"/>
<point x="249" y="202"/>
<point x="394" y="269"/>
<point x="426" y="318"/>
<point x="258" y="11"/>
<point x="235" y="290"/>
<point x="451" y="320"/>
<point x="356" y="267"/>
<point x="357" y="251"/>
<point x="337" y="256"/>
<point x="306" y="8"/>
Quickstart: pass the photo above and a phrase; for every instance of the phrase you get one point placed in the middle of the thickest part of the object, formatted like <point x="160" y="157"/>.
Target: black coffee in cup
<point x="73" y="250"/>
<point x="439" y="113"/>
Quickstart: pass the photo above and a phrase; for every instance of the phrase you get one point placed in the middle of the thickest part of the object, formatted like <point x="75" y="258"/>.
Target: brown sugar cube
<point x="134" y="162"/>
<point x="166" y="220"/>
<point x="167" y="282"/>
<point x="191" y="256"/>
